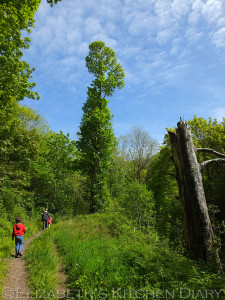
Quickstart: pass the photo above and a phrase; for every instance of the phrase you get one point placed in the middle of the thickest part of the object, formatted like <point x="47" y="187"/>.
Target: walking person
<point x="18" y="232"/>
<point x="49" y="221"/>
<point x="45" y="218"/>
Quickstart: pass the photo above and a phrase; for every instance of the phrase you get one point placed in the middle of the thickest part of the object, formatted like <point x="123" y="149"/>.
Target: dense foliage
<point x="15" y="16"/>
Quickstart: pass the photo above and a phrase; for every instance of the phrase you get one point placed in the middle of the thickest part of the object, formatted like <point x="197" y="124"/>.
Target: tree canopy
<point x="15" y="74"/>
<point x="102" y="63"/>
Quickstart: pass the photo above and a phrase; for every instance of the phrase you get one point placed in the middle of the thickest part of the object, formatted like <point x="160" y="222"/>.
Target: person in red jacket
<point x="18" y="232"/>
<point x="49" y="221"/>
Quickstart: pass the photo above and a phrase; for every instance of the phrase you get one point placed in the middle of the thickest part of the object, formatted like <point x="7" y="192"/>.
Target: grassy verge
<point x="42" y="266"/>
<point x="3" y="268"/>
<point x="106" y="259"/>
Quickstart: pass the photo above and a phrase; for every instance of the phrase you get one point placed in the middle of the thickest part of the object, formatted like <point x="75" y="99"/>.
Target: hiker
<point x="49" y="221"/>
<point x="45" y="218"/>
<point x="18" y="232"/>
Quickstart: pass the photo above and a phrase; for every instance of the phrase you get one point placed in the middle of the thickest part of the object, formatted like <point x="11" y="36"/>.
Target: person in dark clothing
<point x="45" y="217"/>
<point x="18" y="232"/>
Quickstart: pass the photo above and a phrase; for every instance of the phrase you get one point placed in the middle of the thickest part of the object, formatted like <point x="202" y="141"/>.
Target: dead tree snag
<point x="197" y="226"/>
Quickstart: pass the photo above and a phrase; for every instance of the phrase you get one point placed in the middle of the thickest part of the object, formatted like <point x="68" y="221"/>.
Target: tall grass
<point x="105" y="258"/>
<point x="3" y="268"/>
<point x="42" y="266"/>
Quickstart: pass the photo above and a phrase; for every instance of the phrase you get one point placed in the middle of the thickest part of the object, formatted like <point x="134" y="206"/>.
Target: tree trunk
<point x="93" y="204"/>
<point x="197" y="226"/>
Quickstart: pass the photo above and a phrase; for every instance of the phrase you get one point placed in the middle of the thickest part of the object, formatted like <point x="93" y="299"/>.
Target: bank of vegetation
<point x="105" y="258"/>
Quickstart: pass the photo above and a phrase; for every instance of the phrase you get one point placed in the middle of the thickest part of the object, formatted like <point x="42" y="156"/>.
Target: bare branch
<point x="175" y="223"/>
<point x="210" y="151"/>
<point x="215" y="160"/>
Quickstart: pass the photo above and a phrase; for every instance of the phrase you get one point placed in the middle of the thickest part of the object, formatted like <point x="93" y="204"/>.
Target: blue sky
<point x="172" y="52"/>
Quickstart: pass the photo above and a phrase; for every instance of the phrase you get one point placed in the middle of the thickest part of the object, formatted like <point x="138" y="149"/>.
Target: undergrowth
<point x="105" y="258"/>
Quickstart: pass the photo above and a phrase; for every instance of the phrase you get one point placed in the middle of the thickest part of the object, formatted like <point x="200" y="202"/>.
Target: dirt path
<point x="62" y="280"/>
<point x="15" y="285"/>
<point x="16" y="281"/>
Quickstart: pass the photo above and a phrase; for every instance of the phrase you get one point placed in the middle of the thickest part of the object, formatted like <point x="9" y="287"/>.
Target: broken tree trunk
<point x="197" y="226"/>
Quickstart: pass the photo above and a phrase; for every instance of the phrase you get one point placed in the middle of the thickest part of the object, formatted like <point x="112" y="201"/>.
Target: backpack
<point x="45" y="216"/>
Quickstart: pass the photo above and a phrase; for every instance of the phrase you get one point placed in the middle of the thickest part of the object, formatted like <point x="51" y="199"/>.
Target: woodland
<point x="119" y="205"/>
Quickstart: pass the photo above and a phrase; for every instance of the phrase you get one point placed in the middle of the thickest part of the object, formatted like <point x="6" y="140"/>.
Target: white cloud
<point x="213" y="10"/>
<point x="219" y="38"/>
<point x="104" y="38"/>
<point x="193" y="35"/>
<point x="164" y="13"/>
<point x="221" y="22"/>
<point x="164" y="36"/>
<point x="197" y="6"/>
<point x="180" y="8"/>
<point x="194" y="17"/>
<point x="135" y="29"/>
<point x="92" y="26"/>
<point x="83" y="49"/>
<point x="196" y="12"/>
<point x="139" y="23"/>
<point x="176" y="46"/>
<point x="72" y="37"/>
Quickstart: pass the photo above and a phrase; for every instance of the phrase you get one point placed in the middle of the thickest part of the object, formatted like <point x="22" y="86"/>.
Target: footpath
<point x="16" y="281"/>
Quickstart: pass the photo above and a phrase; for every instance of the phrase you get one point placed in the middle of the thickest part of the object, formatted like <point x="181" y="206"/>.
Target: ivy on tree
<point x="97" y="140"/>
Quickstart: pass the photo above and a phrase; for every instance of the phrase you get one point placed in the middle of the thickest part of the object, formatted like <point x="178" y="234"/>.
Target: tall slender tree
<point x="97" y="141"/>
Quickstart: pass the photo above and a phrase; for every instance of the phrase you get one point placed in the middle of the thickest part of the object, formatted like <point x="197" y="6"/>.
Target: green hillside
<point x="105" y="258"/>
